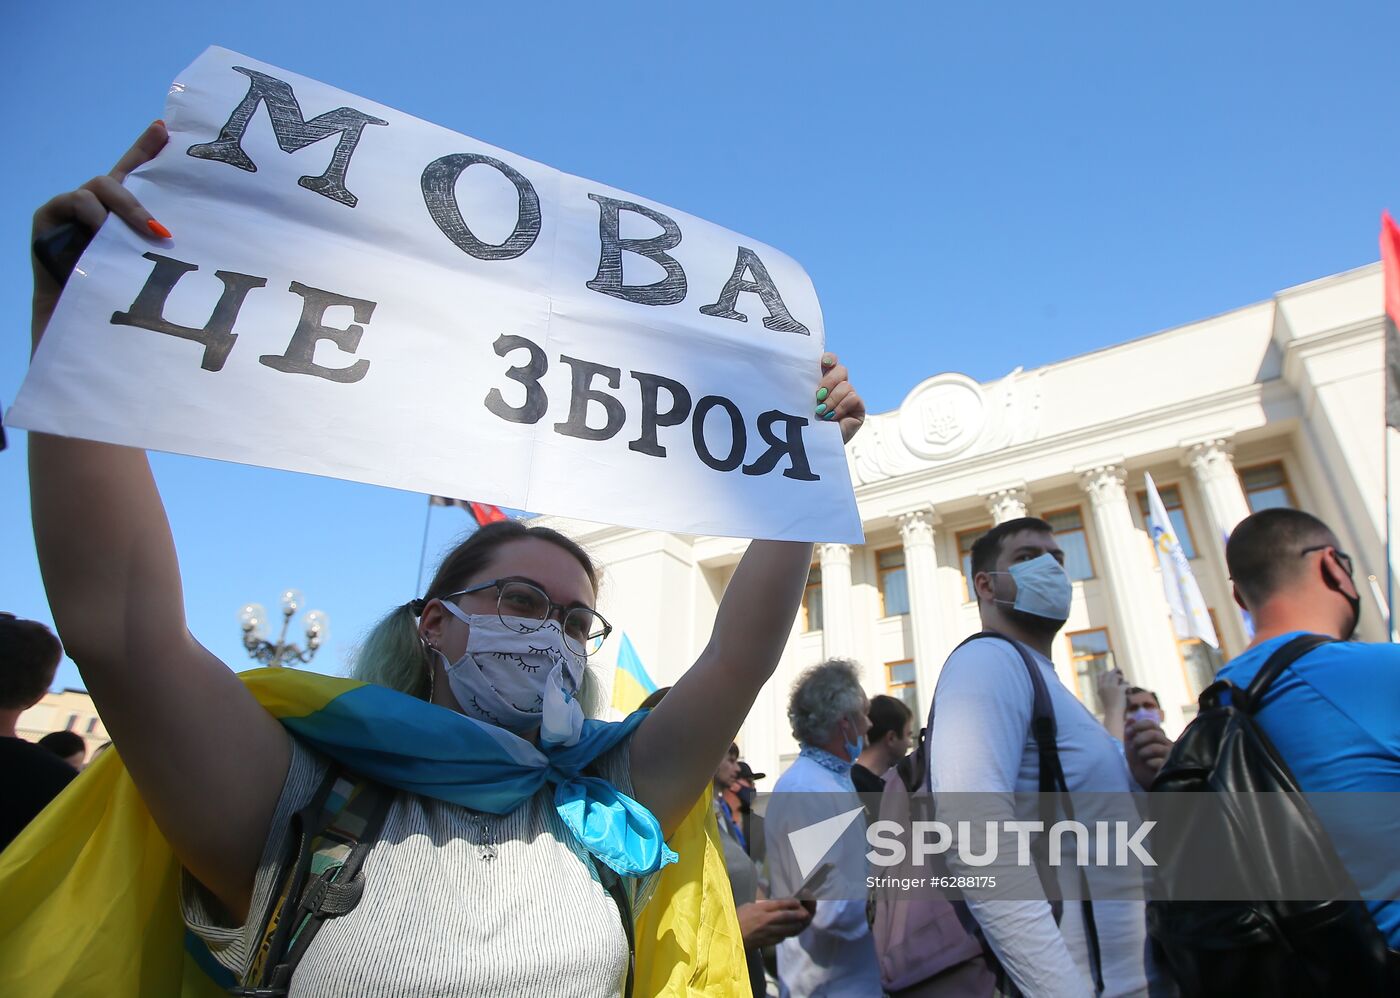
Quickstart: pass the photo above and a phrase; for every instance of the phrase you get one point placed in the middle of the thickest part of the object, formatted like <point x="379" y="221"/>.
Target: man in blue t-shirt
<point x="1334" y="715"/>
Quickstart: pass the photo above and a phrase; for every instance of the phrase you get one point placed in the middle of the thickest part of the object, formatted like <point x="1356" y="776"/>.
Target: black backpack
<point x="1262" y="829"/>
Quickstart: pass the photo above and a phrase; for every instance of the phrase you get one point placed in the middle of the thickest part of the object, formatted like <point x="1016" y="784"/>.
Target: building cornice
<point x="1219" y="409"/>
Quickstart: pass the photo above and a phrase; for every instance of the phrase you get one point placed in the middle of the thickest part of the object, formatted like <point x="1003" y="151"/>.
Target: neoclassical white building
<point x="1280" y="402"/>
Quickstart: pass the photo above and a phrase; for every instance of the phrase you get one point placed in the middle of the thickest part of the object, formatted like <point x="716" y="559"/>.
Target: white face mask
<point x="1145" y="714"/>
<point x="1042" y="587"/>
<point x="518" y="681"/>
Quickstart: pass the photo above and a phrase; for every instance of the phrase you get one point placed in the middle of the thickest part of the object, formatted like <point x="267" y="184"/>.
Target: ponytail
<point x="392" y="655"/>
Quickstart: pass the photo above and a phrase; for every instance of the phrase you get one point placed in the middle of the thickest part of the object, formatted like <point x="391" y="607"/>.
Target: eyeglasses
<point x="1343" y="559"/>
<point x="524" y="607"/>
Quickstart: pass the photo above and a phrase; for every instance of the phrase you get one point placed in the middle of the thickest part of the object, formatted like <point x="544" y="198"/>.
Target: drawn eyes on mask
<point x="517" y="660"/>
<point x="556" y="657"/>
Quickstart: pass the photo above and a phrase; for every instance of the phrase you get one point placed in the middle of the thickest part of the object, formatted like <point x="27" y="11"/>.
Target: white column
<point x="916" y="529"/>
<point x="838" y="631"/>
<point x="1214" y="469"/>
<point x="1141" y="634"/>
<point x="1009" y="503"/>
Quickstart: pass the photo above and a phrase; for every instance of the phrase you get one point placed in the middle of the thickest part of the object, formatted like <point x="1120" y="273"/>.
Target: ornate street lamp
<point x="253" y="619"/>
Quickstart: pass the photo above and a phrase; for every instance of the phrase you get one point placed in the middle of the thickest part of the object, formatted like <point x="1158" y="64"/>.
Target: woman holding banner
<point x="481" y="876"/>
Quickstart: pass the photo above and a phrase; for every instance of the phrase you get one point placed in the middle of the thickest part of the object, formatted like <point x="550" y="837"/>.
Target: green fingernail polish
<point x="822" y="393"/>
<point x="830" y="415"/>
<point x="821" y="409"/>
<point x="828" y="360"/>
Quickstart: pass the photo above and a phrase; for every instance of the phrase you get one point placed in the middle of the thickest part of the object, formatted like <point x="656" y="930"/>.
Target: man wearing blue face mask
<point x="834" y="956"/>
<point x="983" y="743"/>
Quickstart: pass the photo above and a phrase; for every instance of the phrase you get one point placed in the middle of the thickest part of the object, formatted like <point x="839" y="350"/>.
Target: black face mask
<point x="746" y="796"/>
<point x="1353" y="601"/>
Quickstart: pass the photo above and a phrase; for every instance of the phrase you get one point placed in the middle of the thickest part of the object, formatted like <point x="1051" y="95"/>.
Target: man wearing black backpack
<point x="1303" y="708"/>
<point x="1334" y="715"/>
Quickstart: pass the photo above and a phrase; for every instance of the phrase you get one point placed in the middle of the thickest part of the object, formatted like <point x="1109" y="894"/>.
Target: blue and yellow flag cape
<point x="90" y="888"/>
<point x="688" y="941"/>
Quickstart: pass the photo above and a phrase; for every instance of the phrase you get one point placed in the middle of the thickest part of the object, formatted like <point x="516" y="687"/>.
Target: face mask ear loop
<point x="428" y="664"/>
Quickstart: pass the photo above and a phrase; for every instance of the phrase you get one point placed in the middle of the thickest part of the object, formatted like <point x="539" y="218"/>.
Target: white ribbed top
<point x="438" y="919"/>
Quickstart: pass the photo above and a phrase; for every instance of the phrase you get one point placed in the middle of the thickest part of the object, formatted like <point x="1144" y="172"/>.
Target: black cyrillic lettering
<point x="667" y="291"/>
<point x="439" y="185"/>
<point x="301" y="351"/>
<point x="778" y="317"/>
<point x="148" y="310"/>
<point x="790" y="444"/>
<point x="293" y="132"/>
<point x="740" y="435"/>
<point x="583" y="373"/>
<point x="652" y="416"/>
<point x="528" y="374"/>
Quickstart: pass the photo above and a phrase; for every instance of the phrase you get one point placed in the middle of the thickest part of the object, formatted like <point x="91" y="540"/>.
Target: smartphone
<point x="58" y="250"/>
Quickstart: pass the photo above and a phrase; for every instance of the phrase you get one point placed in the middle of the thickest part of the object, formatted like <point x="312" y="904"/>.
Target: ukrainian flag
<point x="631" y="684"/>
<point x="90" y="887"/>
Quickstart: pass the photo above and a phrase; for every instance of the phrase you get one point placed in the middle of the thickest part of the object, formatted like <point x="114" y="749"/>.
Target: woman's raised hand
<point x="837" y="400"/>
<point x="89" y="206"/>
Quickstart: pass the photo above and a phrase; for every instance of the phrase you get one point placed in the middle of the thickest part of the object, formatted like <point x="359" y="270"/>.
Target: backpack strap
<point x="1052" y="786"/>
<point x="1251" y="699"/>
<point x="322" y="880"/>
<point x="1043" y="728"/>
<point x="612" y="883"/>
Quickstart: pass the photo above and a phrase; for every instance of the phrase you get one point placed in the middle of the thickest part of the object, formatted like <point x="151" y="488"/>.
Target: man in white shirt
<point x="982" y="742"/>
<point x="834" y="957"/>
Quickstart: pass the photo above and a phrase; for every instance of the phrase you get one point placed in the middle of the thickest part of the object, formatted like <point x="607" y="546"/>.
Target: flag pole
<point x="1390" y="320"/>
<point x="423" y="550"/>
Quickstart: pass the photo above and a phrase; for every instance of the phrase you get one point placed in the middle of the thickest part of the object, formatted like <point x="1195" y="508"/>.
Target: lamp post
<point x="253" y="619"/>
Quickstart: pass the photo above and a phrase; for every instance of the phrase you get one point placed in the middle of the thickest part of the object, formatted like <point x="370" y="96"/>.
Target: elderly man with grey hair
<point x="835" y="954"/>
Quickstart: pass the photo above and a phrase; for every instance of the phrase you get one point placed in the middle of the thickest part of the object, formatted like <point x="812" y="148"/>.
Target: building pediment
<point x="948" y="417"/>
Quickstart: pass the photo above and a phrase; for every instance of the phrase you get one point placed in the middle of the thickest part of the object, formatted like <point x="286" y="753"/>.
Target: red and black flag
<point x="482" y="513"/>
<point x="1390" y="267"/>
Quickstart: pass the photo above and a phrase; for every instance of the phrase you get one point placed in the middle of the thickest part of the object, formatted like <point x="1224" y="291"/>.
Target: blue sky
<point x="971" y="188"/>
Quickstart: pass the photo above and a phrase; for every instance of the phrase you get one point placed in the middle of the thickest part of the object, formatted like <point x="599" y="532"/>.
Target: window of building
<point x="899" y="683"/>
<point x="1068" y="525"/>
<point x="1199" y="661"/>
<point x="812" y="601"/>
<point x="1266" y="487"/>
<point x="72" y="722"/>
<point x="1091" y="655"/>
<point x="92" y="725"/>
<point x="894" y="582"/>
<point x="967" y="538"/>
<point x="1176" y="513"/>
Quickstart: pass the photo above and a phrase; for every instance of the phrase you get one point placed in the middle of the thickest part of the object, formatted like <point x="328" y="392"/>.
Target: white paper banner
<point x="356" y="293"/>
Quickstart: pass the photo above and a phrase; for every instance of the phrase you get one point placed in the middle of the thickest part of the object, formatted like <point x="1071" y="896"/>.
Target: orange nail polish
<point x="160" y="122"/>
<point x="158" y="229"/>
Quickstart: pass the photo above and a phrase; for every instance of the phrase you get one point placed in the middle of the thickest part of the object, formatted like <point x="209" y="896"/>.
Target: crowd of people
<point x="501" y="841"/>
<point x="1334" y="719"/>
